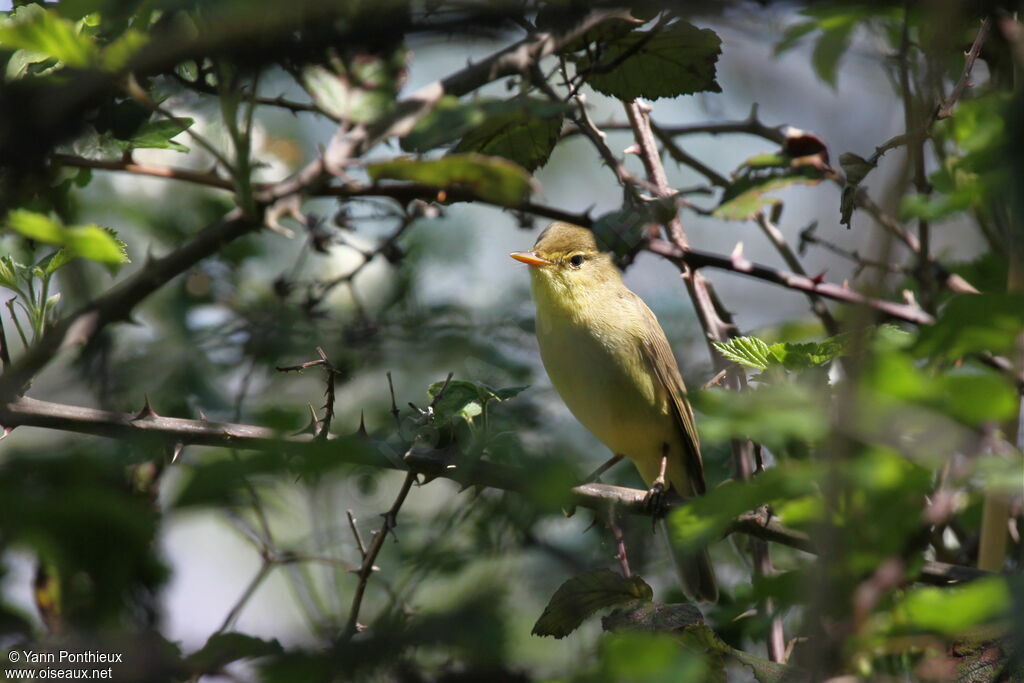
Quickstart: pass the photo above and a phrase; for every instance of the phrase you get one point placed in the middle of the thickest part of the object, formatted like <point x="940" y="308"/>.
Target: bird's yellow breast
<point x="599" y="369"/>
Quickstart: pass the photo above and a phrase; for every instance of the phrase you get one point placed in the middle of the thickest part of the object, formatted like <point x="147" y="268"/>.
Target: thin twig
<point x="355" y="534"/>
<point x="394" y="406"/>
<point x="5" y="353"/>
<point x="243" y="599"/>
<point x="946" y="109"/>
<point x="777" y="239"/>
<point x="620" y="543"/>
<point x="352" y="626"/>
<point x="209" y="179"/>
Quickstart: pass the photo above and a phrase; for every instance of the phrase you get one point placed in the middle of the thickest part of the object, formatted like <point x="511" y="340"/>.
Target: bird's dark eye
<point x="576" y="261"/>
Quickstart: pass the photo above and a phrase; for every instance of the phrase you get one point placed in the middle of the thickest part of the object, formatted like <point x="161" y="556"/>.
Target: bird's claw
<point x="656" y="502"/>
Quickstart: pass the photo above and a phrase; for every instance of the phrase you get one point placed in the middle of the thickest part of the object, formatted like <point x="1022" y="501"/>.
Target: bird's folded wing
<point x="658" y="355"/>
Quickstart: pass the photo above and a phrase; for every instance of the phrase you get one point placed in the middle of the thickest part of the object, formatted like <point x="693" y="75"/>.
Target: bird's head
<point x="566" y="259"/>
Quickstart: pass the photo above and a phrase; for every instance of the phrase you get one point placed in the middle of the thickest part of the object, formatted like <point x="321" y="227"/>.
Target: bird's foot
<point x="656" y="501"/>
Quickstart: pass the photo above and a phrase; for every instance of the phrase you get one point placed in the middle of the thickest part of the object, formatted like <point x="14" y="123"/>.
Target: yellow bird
<point x="609" y="359"/>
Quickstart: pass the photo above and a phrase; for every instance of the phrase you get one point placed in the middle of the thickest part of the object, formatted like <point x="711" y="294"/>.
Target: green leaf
<point x="35" y="226"/>
<point x="811" y="354"/>
<point x="830" y="47"/>
<point x="778" y="415"/>
<point x="582" y="595"/>
<point x="223" y="648"/>
<point x="460" y="399"/>
<point x="492" y="179"/>
<point x="749" y="351"/>
<point x="467" y="399"/>
<point x="360" y="90"/>
<point x="23" y="62"/>
<point x="327" y="90"/>
<point x="55" y="261"/>
<point x="971" y="323"/>
<point x="9" y="269"/>
<point x="96" y="244"/>
<point x="705" y="519"/>
<point x="793" y="35"/>
<point x="31" y="27"/>
<point x="88" y="241"/>
<point x="491" y="126"/>
<point x="158" y="134"/>
<point x="678" y="59"/>
<point x="761" y="174"/>
<point x="117" y="54"/>
<point x="952" y="611"/>
<point x="449" y="120"/>
<point x="622" y="231"/>
<point x="506" y="393"/>
<point x="526" y="134"/>
<point x="644" y="657"/>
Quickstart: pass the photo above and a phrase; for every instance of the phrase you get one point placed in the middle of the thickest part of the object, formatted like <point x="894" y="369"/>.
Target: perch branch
<point x="32" y="412"/>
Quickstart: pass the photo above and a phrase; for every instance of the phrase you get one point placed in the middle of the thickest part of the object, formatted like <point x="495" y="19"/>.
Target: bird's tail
<point x="695" y="570"/>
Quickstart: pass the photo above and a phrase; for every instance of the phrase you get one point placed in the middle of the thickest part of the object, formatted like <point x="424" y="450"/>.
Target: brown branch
<point x="280" y="101"/>
<point x="390" y="522"/>
<point x="710" y="312"/>
<point x="946" y="109"/>
<point x="407" y="192"/>
<point x="31" y="412"/>
<point x="776" y="237"/>
<point x="209" y="179"/>
<point x="693" y="258"/>
<point x="752" y="125"/>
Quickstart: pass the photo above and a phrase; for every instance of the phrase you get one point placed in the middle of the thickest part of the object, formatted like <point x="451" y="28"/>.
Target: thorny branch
<point x="352" y="450"/>
<point x="323" y="425"/>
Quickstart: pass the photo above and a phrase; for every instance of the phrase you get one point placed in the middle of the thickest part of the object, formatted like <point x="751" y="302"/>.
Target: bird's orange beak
<point x="530" y="258"/>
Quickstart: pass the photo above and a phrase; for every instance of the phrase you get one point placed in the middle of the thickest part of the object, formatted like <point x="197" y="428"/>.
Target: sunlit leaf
<point x="35" y="226"/>
<point x="31" y="27"/>
<point x="158" y="134"/>
<point x="749" y="351"/>
<point x="361" y="89"/>
<point x="96" y="244"/>
<point x="745" y="195"/>
<point x="466" y="399"/>
<point x="491" y="178"/>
